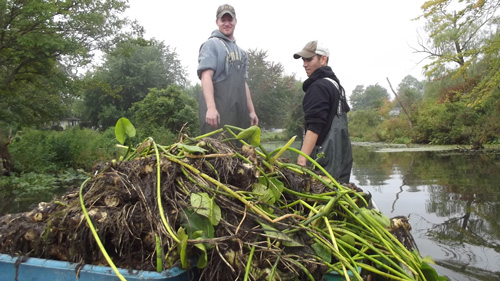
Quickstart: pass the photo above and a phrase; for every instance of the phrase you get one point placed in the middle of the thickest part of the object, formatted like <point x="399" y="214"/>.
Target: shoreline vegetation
<point x="277" y="137"/>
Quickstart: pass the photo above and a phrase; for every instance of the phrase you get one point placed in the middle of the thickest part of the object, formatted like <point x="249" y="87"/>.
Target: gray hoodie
<point x="215" y="54"/>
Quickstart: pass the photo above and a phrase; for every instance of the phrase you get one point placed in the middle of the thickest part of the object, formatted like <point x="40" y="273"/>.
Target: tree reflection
<point x="462" y="187"/>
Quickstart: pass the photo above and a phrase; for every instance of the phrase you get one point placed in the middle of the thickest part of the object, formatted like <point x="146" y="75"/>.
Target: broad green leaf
<point x="430" y="273"/>
<point x="124" y="129"/>
<point x="322" y="251"/>
<point x="349" y="239"/>
<point x="264" y="194"/>
<point x="194" y="222"/>
<point x="255" y="138"/>
<point x="206" y="206"/>
<point x="248" y="132"/>
<point x="274" y="184"/>
<point x="252" y="134"/>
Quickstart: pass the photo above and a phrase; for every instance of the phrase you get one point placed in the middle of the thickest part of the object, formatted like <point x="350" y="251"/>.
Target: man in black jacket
<point x="325" y="111"/>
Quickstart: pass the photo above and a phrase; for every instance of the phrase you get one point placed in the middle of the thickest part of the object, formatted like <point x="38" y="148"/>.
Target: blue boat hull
<point x="35" y="269"/>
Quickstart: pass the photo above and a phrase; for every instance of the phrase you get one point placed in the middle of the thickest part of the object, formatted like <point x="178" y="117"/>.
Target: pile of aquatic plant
<point x="220" y="203"/>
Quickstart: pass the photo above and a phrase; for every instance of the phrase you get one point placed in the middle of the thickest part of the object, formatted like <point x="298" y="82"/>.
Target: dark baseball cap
<point x="226" y="9"/>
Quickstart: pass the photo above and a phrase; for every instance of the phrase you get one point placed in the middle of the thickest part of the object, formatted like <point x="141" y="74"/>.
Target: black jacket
<point x="321" y="101"/>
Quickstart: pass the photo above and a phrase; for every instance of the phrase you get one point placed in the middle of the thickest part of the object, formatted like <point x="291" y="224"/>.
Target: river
<point x="452" y="198"/>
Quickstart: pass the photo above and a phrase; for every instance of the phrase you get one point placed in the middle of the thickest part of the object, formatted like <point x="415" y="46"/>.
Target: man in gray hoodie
<point x="222" y="69"/>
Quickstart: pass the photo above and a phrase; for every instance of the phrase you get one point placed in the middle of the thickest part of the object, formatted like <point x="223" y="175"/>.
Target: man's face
<point x="311" y="64"/>
<point x="226" y="25"/>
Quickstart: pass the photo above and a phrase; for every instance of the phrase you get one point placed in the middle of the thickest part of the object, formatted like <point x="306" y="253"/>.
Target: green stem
<point x="249" y="263"/>
<point x="334" y="242"/>
<point x="282" y="149"/>
<point x="96" y="236"/>
<point x="209" y="134"/>
<point x="223" y="187"/>
<point x="158" y="191"/>
<point x="317" y="166"/>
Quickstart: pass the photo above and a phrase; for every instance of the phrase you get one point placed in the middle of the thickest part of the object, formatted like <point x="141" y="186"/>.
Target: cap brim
<point x="303" y="54"/>
<point x="221" y="14"/>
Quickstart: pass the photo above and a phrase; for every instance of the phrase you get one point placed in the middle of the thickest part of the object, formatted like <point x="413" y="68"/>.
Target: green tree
<point x="363" y="124"/>
<point x="41" y="42"/>
<point x="169" y="109"/>
<point x="464" y="47"/>
<point x="273" y="93"/>
<point x="127" y="74"/>
<point x="456" y="33"/>
<point x="373" y="97"/>
<point x="410" y="91"/>
<point x="356" y="96"/>
<point x="295" y="123"/>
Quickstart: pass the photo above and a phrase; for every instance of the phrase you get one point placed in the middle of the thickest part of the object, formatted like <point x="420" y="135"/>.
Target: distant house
<point x="66" y="123"/>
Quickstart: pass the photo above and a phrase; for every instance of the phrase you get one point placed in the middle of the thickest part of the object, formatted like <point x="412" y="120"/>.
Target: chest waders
<point x="230" y="98"/>
<point x="337" y="159"/>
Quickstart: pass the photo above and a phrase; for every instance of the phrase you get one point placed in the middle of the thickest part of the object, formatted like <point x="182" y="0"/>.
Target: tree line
<point x="45" y="45"/>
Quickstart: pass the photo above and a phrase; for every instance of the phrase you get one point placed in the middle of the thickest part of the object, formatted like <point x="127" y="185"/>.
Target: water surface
<point x="452" y="199"/>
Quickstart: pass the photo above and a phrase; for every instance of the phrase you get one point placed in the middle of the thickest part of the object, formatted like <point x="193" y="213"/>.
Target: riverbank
<point x="392" y="147"/>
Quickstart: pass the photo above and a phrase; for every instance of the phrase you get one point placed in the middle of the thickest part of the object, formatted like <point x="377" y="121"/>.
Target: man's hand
<point x="307" y="147"/>
<point x="301" y="161"/>
<point x="212" y="118"/>
<point x="254" y="120"/>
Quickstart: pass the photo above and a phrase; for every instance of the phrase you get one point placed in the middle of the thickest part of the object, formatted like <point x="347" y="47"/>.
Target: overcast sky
<point x="369" y="40"/>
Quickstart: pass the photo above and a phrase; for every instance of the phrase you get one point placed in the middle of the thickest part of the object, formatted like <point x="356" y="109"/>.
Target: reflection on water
<point x="453" y="200"/>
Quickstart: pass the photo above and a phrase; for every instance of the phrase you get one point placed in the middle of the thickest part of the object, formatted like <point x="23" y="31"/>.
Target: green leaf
<point x="206" y="206"/>
<point x="430" y="273"/>
<point x="378" y="216"/>
<point x="274" y="184"/>
<point x="322" y="251"/>
<point x="278" y="235"/>
<point x="349" y="239"/>
<point x="124" y="129"/>
<point x="264" y="194"/>
<point x="182" y="247"/>
<point x="194" y="222"/>
<point x="252" y="134"/>
<point x="202" y="259"/>
<point x="428" y="259"/>
<point x="192" y="148"/>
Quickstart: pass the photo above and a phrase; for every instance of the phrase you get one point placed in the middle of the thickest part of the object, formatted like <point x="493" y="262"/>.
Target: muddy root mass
<point x="122" y="203"/>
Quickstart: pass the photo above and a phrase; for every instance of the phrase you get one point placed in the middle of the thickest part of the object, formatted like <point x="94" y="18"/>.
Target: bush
<point x="50" y="151"/>
<point x="445" y="123"/>
<point x="166" y="109"/>
<point x="32" y="151"/>
<point x="395" y="130"/>
<point x="159" y="135"/>
<point x="363" y="125"/>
